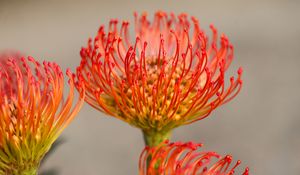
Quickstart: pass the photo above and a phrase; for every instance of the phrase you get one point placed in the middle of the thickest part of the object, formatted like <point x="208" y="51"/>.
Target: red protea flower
<point x="184" y="159"/>
<point x="33" y="112"/>
<point x="171" y="75"/>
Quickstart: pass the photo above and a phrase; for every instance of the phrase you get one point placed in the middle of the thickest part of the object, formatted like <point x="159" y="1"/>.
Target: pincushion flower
<point x="184" y="159"/>
<point x="171" y="75"/>
<point x="33" y="112"/>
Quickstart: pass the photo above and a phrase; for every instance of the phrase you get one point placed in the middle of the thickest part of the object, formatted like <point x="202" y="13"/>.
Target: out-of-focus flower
<point x="33" y="111"/>
<point x="184" y="159"/>
<point x="171" y="75"/>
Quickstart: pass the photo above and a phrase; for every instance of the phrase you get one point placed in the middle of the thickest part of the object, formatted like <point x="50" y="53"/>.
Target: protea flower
<point x="171" y="75"/>
<point x="33" y="112"/>
<point x="184" y="159"/>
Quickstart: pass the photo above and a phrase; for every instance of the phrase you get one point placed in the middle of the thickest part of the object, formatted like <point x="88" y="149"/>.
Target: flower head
<point x="33" y="111"/>
<point x="184" y="159"/>
<point x="171" y="75"/>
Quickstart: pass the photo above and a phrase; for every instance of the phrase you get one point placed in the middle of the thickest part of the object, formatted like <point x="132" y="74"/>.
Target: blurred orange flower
<point x="33" y="111"/>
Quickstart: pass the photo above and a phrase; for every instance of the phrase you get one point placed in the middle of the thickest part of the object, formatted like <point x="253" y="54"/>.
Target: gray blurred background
<point x="261" y="126"/>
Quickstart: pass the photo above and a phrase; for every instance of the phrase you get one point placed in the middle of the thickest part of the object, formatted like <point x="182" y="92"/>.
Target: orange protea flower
<point x="33" y="112"/>
<point x="170" y="76"/>
<point x="184" y="159"/>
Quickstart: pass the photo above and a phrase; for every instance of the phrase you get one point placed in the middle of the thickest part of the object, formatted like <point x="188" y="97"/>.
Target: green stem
<point x="154" y="138"/>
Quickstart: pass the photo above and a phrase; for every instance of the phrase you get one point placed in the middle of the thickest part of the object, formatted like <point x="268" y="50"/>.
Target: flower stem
<point x="154" y="138"/>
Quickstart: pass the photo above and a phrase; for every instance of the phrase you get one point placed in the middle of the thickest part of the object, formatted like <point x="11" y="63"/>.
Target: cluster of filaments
<point x="171" y="75"/>
<point x="184" y="159"/>
<point x="32" y="111"/>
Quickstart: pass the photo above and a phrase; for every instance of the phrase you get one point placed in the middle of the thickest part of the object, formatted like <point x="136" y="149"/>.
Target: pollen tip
<point x="69" y="72"/>
<point x="246" y="172"/>
<point x="23" y="59"/>
<point x="30" y="58"/>
<point x="100" y="29"/>
<point x="228" y="158"/>
<point x="240" y="70"/>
